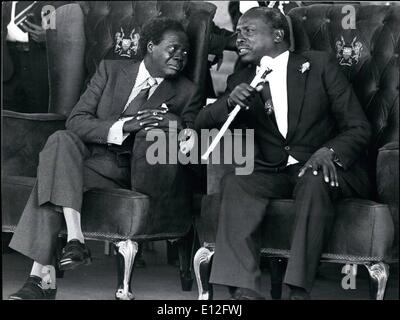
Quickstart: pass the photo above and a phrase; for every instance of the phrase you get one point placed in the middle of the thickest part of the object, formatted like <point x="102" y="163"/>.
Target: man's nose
<point x="178" y="56"/>
<point x="239" y="38"/>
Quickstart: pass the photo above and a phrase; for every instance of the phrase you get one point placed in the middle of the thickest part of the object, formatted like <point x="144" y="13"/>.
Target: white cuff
<point x="116" y="134"/>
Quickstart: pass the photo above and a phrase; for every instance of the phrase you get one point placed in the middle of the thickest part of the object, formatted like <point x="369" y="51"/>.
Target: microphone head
<point x="265" y="62"/>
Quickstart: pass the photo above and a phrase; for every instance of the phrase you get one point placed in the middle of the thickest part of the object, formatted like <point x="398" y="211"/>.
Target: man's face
<point x="255" y="38"/>
<point x="169" y="57"/>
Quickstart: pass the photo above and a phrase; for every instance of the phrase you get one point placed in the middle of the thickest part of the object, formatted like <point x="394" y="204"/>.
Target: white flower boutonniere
<point x="304" y="67"/>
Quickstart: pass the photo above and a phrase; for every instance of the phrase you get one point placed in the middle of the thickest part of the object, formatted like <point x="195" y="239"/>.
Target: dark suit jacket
<point x="322" y="111"/>
<point x="108" y="91"/>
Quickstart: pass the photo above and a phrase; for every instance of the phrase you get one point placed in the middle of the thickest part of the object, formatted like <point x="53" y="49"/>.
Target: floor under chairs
<point x="159" y="280"/>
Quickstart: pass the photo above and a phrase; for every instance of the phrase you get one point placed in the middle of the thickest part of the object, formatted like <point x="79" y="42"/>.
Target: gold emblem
<point x="348" y="54"/>
<point x="126" y="47"/>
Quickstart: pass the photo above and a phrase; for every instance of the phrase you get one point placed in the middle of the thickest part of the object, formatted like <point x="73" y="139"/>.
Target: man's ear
<point x="279" y="34"/>
<point x="150" y="46"/>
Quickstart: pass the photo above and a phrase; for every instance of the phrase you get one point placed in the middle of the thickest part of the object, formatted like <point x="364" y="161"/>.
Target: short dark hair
<point x="154" y="31"/>
<point x="275" y="19"/>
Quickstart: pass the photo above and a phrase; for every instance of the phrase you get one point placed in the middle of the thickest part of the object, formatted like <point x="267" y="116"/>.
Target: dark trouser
<point x="67" y="167"/>
<point x="28" y="88"/>
<point x="243" y="207"/>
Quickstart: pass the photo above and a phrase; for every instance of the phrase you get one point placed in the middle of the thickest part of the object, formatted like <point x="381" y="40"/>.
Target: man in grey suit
<point x="122" y="98"/>
<point x="312" y="135"/>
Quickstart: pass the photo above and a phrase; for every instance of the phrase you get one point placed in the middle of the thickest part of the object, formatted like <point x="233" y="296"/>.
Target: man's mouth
<point x="243" y="50"/>
<point x="175" y="67"/>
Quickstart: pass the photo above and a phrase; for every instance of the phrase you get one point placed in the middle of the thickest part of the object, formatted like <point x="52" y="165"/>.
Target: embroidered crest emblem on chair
<point x="348" y="54"/>
<point x="124" y="46"/>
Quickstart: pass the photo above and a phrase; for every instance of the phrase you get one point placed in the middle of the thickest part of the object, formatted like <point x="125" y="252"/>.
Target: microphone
<point x="259" y="78"/>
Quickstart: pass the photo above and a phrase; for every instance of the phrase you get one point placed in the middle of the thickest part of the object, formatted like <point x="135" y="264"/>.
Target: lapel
<point x="125" y="81"/>
<point x="165" y="91"/>
<point x="295" y="90"/>
<point x="262" y="117"/>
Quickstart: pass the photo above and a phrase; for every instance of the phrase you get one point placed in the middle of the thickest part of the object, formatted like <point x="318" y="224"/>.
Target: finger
<point x="33" y="26"/>
<point x="151" y="119"/>
<point x="242" y="104"/>
<point x="145" y="123"/>
<point x="314" y="168"/>
<point x="151" y="126"/>
<point x="259" y="88"/>
<point x="302" y="171"/>
<point x="143" y="112"/>
<point x="334" y="176"/>
<point x="149" y="116"/>
<point x="245" y="94"/>
<point x="326" y="171"/>
<point x="30" y="30"/>
<point x="158" y="110"/>
<point x="249" y="88"/>
<point x="27" y="29"/>
<point x="23" y="27"/>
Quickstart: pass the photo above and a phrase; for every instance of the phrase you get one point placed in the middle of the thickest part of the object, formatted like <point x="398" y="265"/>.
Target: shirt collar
<point x="143" y="75"/>
<point x="279" y="62"/>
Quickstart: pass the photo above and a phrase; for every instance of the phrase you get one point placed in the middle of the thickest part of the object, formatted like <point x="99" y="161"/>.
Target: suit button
<point x="287" y="148"/>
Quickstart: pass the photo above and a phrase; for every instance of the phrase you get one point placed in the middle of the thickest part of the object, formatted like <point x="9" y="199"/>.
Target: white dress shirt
<point x="278" y="86"/>
<point x="143" y="80"/>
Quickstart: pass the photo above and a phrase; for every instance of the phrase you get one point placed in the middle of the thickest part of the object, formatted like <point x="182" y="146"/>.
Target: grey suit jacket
<point x="108" y="91"/>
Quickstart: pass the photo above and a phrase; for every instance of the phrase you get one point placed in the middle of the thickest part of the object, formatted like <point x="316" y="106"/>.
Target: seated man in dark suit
<point x="311" y="132"/>
<point x="122" y="99"/>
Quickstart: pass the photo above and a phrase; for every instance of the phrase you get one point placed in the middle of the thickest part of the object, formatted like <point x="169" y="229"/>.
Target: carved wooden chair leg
<point x="61" y="242"/>
<point x="125" y="258"/>
<point x="277" y="271"/>
<point x="202" y="267"/>
<point x="379" y="274"/>
<point x="185" y="254"/>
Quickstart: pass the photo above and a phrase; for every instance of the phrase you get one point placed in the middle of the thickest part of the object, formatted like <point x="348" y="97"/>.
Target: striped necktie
<point x="135" y="105"/>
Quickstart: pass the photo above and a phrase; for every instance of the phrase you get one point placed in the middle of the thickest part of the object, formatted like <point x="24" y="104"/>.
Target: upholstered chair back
<point x="366" y="50"/>
<point x="89" y="31"/>
<point x="365" y="39"/>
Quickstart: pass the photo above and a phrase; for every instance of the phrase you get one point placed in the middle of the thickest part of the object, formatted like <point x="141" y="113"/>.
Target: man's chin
<point x="170" y="73"/>
<point x="246" y="58"/>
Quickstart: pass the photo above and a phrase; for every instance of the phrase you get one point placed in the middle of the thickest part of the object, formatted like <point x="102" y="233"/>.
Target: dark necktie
<point x="266" y="98"/>
<point x="135" y="105"/>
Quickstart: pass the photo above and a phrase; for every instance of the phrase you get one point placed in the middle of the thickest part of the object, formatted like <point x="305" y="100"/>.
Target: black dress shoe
<point x="33" y="290"/>
<point x="74" y="254"/>
<point x="246" y="294"/>
<point x="298" y="293"/>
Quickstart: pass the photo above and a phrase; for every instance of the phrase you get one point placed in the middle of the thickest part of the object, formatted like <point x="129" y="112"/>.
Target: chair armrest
<point x="24" y="135"/>
<point x="387" y="180"/>
<point x="387" y="173"/>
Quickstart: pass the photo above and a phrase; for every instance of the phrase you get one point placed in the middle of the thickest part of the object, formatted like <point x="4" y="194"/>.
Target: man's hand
<point x="242" y="95"/>
<point x="37" y="33"/>
<point x="322" y="159"/>
<point x="135" y="124"/>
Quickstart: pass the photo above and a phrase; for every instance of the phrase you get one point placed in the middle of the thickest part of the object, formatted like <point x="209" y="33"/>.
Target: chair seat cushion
<point x="107" y="214"/>
<point x="362" y="229"/>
